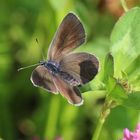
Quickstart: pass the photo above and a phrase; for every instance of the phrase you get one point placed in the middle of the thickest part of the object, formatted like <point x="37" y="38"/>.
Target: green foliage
<point x="108" y="68"/>
<point x="125" y="40"/>
<point x="133" y="100"/>
<point x="134" y="65"/>
<point x="27" y="111"/>
<point x="118" y="93"/>
<point x="121" y="69"/>
<point x="125" y="51"/>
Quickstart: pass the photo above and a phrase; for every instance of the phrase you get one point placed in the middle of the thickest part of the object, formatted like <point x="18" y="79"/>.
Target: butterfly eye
<point x="41" y="62"/>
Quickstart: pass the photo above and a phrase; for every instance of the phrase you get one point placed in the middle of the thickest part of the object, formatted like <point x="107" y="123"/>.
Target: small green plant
<point x="122" y="65"/>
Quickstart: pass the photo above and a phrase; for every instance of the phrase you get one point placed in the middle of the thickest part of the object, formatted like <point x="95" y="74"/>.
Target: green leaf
<point x="108" y="68"/>
<point x="133" y="100"/>
<point x="133" y="72"/>
<point x="127" y="118"/>
<point x="134" y="65"/>
<point x="118" y="93"/>
<point x="124" y="75"/>
<point x="111" y="84"/>
<point x="125" y="40"/>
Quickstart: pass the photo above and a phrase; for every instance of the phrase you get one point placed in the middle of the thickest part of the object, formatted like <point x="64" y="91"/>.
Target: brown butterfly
<point x="64" y="71"/>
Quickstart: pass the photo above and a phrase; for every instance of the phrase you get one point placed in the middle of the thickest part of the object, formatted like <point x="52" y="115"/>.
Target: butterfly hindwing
<point x="42" y="78"/>
<point x="69" y="35"/>
<point x="82" y="66"/>
<point x="71" y="93"/>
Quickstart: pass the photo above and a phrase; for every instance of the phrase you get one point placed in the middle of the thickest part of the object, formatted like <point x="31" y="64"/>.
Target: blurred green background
<point x="30" y="113"/>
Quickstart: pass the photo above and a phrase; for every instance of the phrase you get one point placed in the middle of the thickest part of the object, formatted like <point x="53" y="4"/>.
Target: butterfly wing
<point x="82" y="66"/>
<point x="69" y="35"/>
<point x="42" y="78"/>
<point x="71" y="93"/>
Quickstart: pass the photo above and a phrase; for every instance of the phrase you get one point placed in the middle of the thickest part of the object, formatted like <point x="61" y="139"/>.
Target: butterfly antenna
<point x="43" y="56"/>
<point x="27" y="67"/>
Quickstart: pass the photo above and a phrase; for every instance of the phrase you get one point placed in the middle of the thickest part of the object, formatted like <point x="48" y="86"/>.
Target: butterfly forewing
<point x="69" y="35"/>
<point x="71" y="93"/>
<point x="42" y="78"/>
<point x="82" y="66"/>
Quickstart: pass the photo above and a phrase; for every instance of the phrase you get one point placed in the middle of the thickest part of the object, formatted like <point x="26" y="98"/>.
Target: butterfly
<point x="64" y="71"/>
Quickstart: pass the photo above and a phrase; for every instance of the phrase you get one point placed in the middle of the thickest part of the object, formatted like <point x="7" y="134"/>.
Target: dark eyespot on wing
<point x="42" y="78"/>
<point x="81" y="66"/>
<point x="71" y="93"/>
<point x="87" y="71"/>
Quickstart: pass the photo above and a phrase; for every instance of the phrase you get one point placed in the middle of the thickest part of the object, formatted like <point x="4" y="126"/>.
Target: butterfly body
<point x="64" y="71"/>
<point x="69" y="78"/>
<point x="52" y="66"/>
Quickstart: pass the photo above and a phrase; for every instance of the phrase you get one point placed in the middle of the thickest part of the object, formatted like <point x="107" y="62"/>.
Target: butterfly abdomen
<point x="69" y="78"/>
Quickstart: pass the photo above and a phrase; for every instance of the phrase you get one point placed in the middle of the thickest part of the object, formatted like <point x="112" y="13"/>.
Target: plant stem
<point x="98" y="129"/>
<point x="123" y="2"/>
<point x="104" y="113"/>
<point x="51" y="123"/>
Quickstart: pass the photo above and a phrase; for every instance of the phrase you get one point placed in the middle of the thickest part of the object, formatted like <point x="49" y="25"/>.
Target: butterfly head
<point x="42" y="62"/>
<point x="52" y="66"/>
